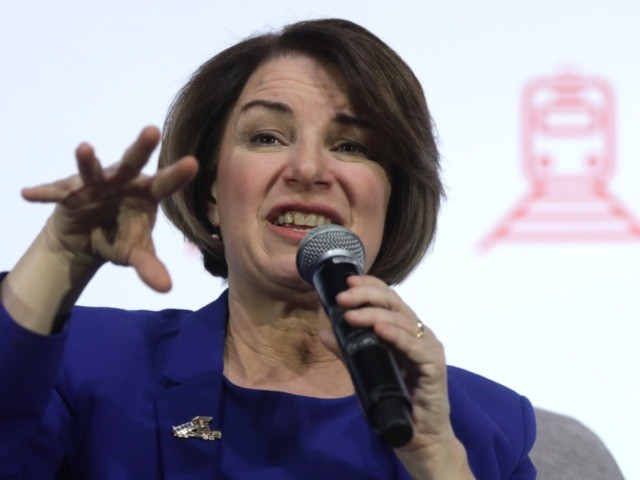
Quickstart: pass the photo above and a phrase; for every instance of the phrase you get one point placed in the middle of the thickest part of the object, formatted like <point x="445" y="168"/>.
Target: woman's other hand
<point x="434" y="451"/>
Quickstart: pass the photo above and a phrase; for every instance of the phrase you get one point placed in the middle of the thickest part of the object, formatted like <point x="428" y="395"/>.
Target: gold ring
<point x="419" y="329"/>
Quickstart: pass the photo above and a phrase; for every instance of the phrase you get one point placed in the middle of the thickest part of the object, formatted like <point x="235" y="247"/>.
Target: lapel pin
<point x="197" y="427"/>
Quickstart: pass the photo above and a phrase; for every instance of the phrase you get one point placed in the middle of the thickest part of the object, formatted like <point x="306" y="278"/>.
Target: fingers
<point x="365" y="289"/>
<point x="173" y="177"/>
<point x="137" y="155"/>
<point x="151" y="270"/>
<point x="371" y="303"/>
<point x="372" y="296"/>
<point x="90" y="172"/>
<point x="89" y="167"/>
<point x="49" y="192"/>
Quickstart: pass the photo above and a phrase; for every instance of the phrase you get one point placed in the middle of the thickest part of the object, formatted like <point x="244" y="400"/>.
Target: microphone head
<point x="327" y="241"/>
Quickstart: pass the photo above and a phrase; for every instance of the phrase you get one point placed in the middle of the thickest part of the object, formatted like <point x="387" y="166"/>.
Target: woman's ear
<point x="212" y="208"/>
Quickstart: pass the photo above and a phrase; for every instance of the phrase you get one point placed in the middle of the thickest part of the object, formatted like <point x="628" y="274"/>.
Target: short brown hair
<point x="380" y="87"/>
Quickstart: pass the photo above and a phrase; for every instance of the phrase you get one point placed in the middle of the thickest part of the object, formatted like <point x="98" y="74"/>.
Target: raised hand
<point x="106" y="215"/>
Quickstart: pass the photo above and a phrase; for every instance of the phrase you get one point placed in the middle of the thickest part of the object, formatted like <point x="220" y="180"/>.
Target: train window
<point x="569" y="120"/>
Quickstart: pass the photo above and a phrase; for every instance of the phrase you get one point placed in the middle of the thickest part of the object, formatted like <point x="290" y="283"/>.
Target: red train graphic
<point x="568" y="157"/>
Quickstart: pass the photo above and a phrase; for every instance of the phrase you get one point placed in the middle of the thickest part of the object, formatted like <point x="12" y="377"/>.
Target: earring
<point x="216" y="233"/>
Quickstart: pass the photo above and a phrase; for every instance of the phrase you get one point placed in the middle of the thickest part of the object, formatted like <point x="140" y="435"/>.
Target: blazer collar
<point x="198" y="349"/>
<point x="193" y="388"/>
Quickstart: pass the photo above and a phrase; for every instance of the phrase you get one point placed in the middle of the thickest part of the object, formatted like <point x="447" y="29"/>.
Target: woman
<point x="322" y="123"/>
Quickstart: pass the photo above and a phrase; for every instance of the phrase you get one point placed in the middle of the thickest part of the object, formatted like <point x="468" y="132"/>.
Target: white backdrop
<point x="556" y="321"/>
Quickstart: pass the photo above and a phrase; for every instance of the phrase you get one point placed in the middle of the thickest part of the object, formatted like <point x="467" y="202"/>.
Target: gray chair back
<point x="567" y="450"/>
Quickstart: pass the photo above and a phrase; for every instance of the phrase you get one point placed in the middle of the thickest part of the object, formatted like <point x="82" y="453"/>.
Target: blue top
<point x="100" y="399"/>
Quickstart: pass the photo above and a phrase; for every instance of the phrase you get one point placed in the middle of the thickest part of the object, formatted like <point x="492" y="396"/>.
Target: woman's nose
<point x="309" y="167"/>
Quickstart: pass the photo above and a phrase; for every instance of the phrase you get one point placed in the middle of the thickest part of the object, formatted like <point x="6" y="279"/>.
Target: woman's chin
<point x="283" y="274"/>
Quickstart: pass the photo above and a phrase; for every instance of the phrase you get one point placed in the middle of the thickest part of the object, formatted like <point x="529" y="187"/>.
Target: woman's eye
<point x="265" y="140"/>
<point x="352" y="148"/>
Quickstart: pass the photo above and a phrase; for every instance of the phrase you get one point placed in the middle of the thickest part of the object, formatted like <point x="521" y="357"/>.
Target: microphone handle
<point x="373" y="369"/>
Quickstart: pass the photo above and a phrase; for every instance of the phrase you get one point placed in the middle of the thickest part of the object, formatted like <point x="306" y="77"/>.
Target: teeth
<point x="311" y="221"/>
<point x="298" y="219"/>
<point x="302" y="220"/>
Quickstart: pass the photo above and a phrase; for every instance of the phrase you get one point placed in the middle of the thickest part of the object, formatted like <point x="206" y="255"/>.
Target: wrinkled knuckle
<point x="394" y="296"/>
<point x="433" y="372"/>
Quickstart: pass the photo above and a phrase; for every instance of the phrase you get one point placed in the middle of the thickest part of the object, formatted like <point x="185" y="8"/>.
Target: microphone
<point x="326" y="257"/>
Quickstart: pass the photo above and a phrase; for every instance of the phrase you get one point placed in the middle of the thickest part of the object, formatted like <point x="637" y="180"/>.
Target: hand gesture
<point x="107" y="214"/>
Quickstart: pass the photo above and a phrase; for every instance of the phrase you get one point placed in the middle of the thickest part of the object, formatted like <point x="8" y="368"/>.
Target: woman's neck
<point x="274" y="345"/>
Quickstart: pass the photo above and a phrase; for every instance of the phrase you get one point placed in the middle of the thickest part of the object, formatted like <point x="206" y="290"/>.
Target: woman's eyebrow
<point x="275" y="106"/>
<point x="350" y="120"/>
<point x="279" y="107"/>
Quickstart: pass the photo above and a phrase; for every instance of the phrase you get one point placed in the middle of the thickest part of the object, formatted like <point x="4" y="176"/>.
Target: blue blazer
<point x="100" y="401"/>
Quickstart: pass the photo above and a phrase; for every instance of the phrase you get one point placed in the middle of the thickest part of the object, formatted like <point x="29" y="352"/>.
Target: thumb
<point x="151" y="270"/>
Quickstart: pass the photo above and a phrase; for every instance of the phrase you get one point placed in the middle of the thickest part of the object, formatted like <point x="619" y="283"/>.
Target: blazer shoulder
<point x="485" y="413"/>
<point x="481" y="388"/>
<point x="105" y="342"/>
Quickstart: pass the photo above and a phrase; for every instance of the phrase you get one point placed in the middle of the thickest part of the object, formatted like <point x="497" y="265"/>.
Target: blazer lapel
<point x="193" y="388"/>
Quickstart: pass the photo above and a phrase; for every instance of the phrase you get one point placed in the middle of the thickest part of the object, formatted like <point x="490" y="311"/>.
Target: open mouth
<point x="301" y="220"/>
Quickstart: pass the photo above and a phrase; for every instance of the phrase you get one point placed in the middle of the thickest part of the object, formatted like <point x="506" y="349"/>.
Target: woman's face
<point x="293" y="156"/>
